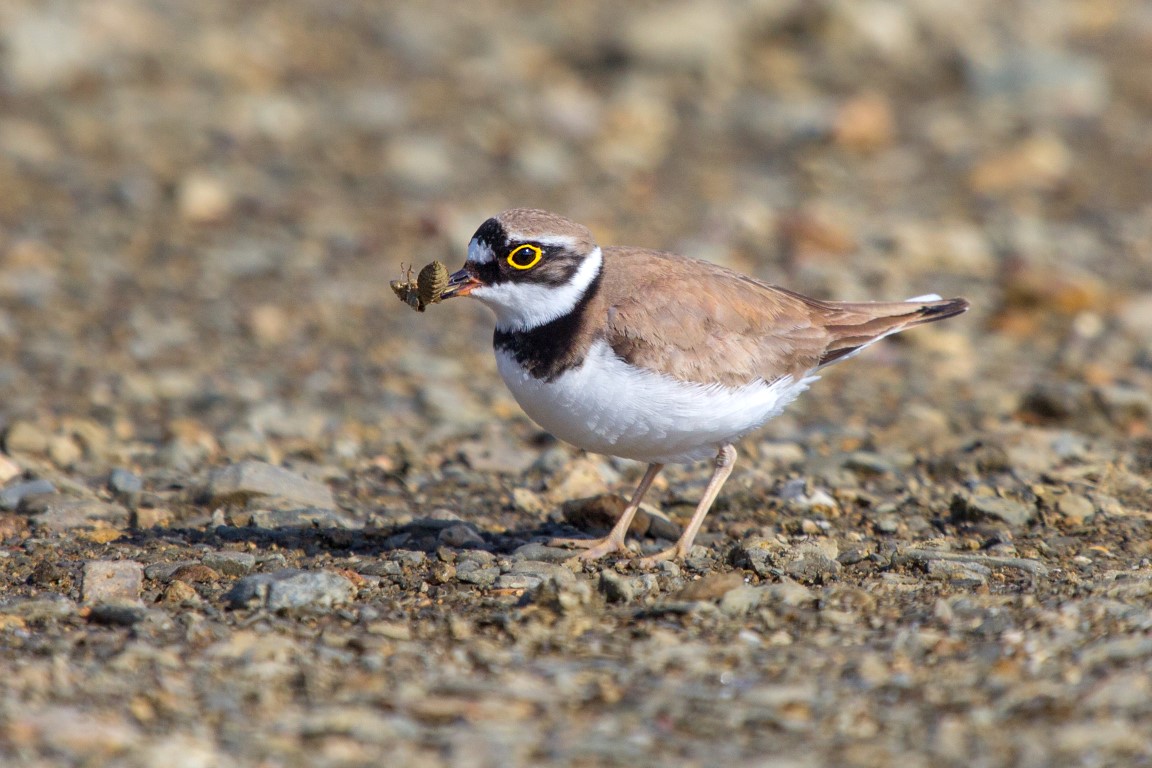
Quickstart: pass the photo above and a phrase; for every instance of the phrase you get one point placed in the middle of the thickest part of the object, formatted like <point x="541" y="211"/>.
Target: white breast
<point x="608" y="406"/>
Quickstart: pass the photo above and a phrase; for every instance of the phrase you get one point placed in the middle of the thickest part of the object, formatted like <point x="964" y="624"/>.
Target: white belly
<point x="607" y="406"/>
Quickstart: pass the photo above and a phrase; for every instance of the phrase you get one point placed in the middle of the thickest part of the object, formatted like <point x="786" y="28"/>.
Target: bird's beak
<point x="460" y="283"/>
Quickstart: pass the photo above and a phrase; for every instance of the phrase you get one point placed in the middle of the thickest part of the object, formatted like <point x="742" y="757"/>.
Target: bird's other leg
<point x="725" y="460"/>
<point x="615" y="539"/>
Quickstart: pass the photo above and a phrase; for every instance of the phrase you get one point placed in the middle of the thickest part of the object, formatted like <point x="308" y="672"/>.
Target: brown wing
<point x="713" y="325"/>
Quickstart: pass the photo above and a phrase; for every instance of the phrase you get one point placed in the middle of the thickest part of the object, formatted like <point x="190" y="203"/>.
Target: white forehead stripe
<point x="480" y="252"/>
<point x="523" y="306"/>
<point x="559" y="241"/>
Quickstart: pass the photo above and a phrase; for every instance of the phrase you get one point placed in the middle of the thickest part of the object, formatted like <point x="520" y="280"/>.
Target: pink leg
<point x="615" y="539"/>
<point x="725" y="460"/>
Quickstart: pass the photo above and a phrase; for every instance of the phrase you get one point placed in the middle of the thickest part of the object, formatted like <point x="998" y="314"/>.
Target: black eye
<point x="525" y="256"/>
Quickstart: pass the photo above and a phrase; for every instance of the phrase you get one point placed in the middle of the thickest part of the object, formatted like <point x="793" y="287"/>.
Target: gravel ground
<point x="254" y="511"/>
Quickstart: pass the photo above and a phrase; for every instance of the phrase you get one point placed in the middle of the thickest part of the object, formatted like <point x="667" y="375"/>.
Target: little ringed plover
<point x="652" y="356"/>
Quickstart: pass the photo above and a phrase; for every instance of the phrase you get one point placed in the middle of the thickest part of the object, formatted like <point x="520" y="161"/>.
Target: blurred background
<point x="201" y="203"/>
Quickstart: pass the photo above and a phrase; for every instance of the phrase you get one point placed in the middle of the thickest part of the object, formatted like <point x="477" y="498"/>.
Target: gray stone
<point x="162" y="572"/>
<point x="813" y="569"/>
<point x="306" y="517"/>
<point x="536" y="551"/>
<point x="67" y="514"/>
<point x="125" y="483"/>
<point x="459" y="536"/>
<point x="518" y="581"/>
<point x="230" y="563"/>
<point x="743" y="599"/>
<point x="1014" y="513"/>
<point x="111" y="580"/>
<point x="119" y="613"/>
<point x="616" y="588"/>
<point x="1075" y="507"/>
<point x="11" y="497"/>
<point x="471" y="572"/>
<point x="291" y="590"/>
<point x="761" y="556"/>
<point x="250" y="479"/>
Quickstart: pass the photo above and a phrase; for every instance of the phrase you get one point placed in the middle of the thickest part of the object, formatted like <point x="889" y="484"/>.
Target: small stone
<point x="202" y="199"/>
<point x="10" y="498"/>
<point x="712" y="587"/>
<point x="124" y="482"/>
<point x="958" y="573"/>
<point x="460" y="536"/>
<point x="789" y="593"/>
<point x="8" y="469"/>
<point x="251" y="479"/>
<point x="581" y="479"/>
<point x="68" y="514"/>
<point x="144" y="518"/>
<point x="529" y="502"/>
<point x="471" y="572"/>
<point x="26" y="437"/>
<point x="518" y="581"/>
<point x="79" y="736"/>
<point x="537" y="551"/>
<point x="616" y="588"/>
<point x="308" y="517"/>
<point x="230" y="563"/>
<point x="108" y="580"/>
<point x="1013" y="513"/>
<point x="761" y="556"/>
<point x="119" y="613"/>
<point x="1075" y="507"/>
<point x="743" y="599"/>
<point x="865" y="123"/>
<point x="195" y="573"/>
<point x="63" y="451"/>
<point x="600" y="513"/>
<point x="162" y="572"/>
<point x="180" y="593"/>
<point x="813" y="569"/>
<point x="291" y="590"/>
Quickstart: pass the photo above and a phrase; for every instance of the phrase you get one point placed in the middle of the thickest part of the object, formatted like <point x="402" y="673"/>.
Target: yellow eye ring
<point x="525" y="251"/>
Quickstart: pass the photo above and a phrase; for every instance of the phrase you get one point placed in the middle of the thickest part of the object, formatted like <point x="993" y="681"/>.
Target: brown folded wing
<point x="700" y="322"/>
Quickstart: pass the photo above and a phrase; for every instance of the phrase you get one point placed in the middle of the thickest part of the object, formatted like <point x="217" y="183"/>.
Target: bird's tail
<point x="856" y="325"/>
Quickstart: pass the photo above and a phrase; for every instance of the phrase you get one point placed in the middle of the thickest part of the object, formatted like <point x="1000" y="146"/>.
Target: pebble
<point x="124" y="482"/>
<point x="11" y="497"/>
<point x="460" y="536"/>
<point x="118" y="613"/>
<point x="615" y="587"/>
<point x="230" y="563"/>
<point x="254" y="479"/>
<point x="8" y="469"/>
<point x="74" y="734"/>
<point x="813" y="568"/>
<point x="471" y="572"/>
<point x="536" y="551"/>
<point x="26" y="437"/>
<point x="63" y="514"/>
<point x="1075" y="507"/>
<point x="1014" y="513"/>
<point x="711" y="587"/>
<point x="307" y="517"/>
<point x="109" y="580"/>
<point x="291" y="590"/>
<point x="761" y="556"/>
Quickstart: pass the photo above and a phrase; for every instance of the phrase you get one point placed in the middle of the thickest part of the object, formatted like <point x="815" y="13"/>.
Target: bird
<point x="653" y="356"/>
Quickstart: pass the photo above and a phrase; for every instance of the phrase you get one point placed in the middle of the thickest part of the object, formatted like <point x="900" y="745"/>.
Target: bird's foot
<point x="594" y="549"/>
<point x="672" y="553"/>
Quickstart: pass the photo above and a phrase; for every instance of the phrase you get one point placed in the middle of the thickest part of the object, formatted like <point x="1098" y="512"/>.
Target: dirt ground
<point x="255" y="511"/>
